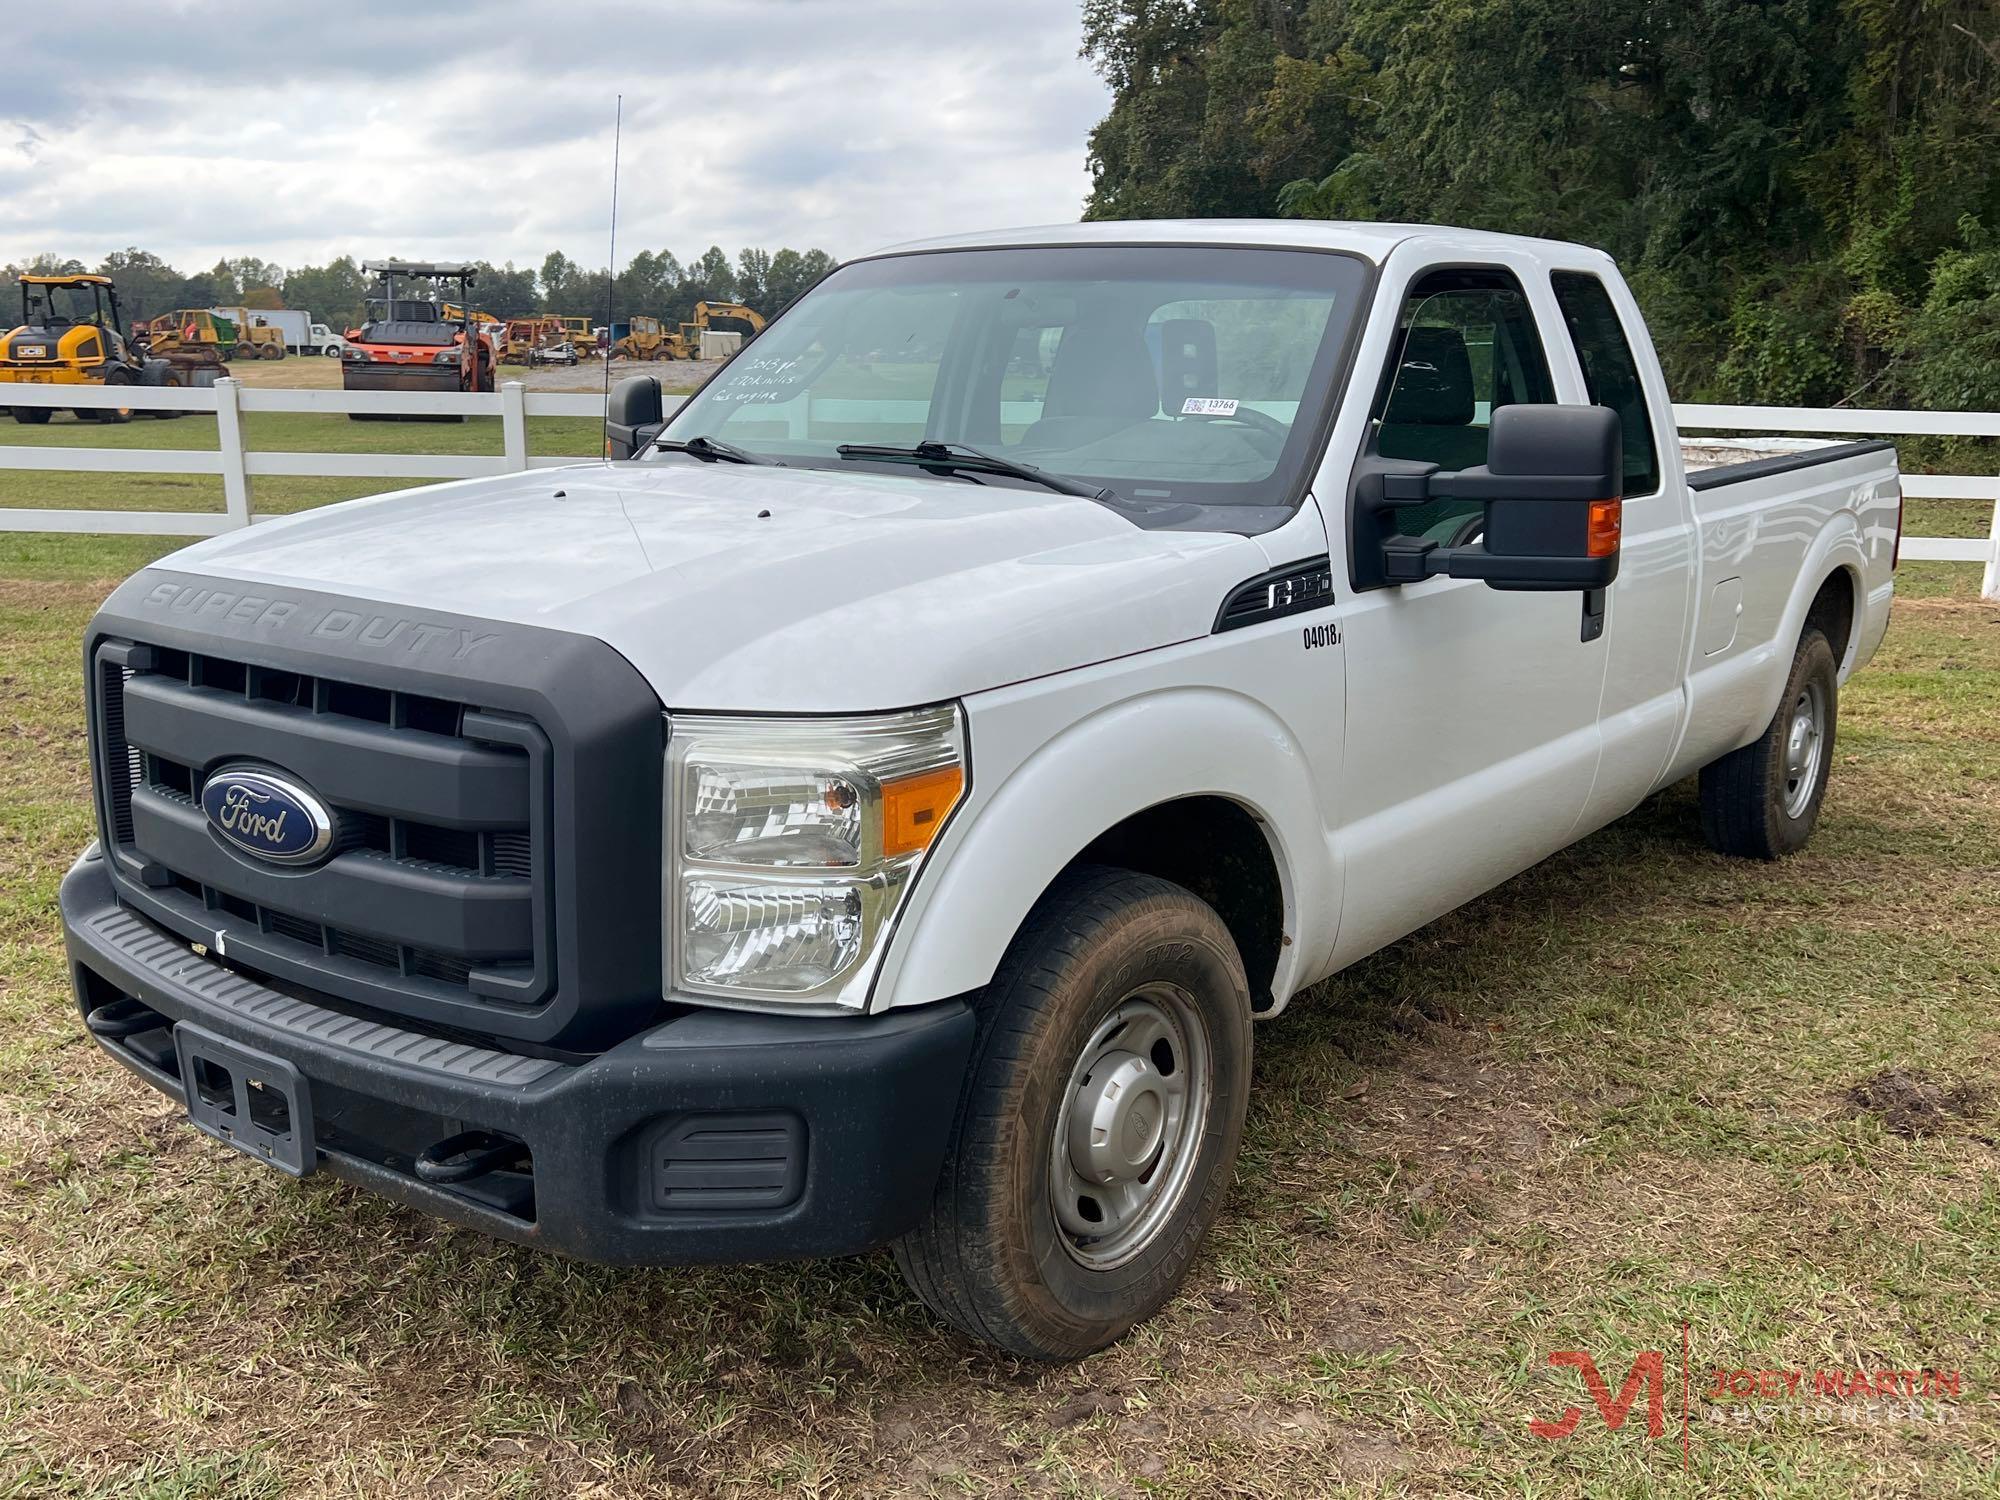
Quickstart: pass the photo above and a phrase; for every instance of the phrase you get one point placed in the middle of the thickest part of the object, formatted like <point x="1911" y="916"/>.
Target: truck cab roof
<point x="1373" y="242"/>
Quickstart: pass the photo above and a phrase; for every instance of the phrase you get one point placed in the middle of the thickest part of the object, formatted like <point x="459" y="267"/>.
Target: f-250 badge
<point x="1322" y="635"/>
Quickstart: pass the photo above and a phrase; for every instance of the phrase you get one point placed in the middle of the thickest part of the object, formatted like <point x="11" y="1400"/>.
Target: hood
<point x="758" y="589"/>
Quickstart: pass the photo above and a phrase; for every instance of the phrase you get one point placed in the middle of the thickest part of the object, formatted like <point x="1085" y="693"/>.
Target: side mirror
<point x="1552" y="486"/>
<point x="634" y="417"/>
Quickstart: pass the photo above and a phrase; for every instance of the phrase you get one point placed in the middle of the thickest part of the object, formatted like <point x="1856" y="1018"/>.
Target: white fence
<point x="1974" y="488"/>
<point x="239" y="467"/>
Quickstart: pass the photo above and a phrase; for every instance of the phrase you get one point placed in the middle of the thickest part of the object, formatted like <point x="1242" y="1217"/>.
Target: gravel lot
<point x="588" y="375"/>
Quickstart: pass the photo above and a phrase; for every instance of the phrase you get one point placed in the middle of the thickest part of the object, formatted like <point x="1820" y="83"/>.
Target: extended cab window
<point x="1166" y="373"/>
<point x="1609" y="371"/>
<point x="1468" y="347"/>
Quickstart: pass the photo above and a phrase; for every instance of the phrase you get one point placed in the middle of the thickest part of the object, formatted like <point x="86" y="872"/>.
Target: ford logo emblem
<point x="267" y="817"/>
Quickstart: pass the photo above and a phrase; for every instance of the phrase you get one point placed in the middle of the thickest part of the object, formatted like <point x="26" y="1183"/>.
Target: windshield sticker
<point x="1208" y="406"/>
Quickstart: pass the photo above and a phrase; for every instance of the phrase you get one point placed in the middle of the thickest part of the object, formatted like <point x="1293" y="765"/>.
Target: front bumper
<point x="715" y="1136"/>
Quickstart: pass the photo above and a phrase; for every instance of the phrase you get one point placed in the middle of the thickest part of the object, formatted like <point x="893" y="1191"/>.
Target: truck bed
<point x="1764" y="518"/>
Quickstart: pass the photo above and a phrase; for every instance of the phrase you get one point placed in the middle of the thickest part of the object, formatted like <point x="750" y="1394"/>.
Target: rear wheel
<point x="159" y="374"/>
<point x="1763" y="801"/>
<point x="1099" y="1122"/>
<point x="32" y="416"/>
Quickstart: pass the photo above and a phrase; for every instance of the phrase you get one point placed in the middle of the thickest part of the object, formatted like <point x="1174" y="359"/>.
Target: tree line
<point x="653" y="282"/>
<point x="1805" y="194"/>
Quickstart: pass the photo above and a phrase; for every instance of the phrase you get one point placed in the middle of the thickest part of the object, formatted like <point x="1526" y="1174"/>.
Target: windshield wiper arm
<point x="964" y="456"/>
<point x="712" y="449"/>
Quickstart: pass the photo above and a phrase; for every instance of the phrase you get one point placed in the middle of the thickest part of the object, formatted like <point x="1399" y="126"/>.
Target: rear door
<point x="1472" y="713"/>
<point x="1648" y="607"/>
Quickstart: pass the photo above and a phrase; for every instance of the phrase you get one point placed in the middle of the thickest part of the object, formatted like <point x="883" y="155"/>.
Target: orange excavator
<point x="408" y="344"/>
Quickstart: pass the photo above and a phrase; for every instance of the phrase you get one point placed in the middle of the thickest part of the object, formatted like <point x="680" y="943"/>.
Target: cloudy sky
<point x="388" y="127"/>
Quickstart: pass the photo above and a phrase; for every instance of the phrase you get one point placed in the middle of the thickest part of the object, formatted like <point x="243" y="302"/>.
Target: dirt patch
<point x="1912" y="1102"/>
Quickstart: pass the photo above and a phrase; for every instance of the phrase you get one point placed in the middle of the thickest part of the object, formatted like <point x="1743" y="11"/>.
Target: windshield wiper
<point x="713" y="449"/>
<point x="941" y="455"/>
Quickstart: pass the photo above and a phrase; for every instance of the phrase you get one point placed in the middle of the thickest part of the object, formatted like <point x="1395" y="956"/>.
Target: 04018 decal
<point x="1321" y="635"/>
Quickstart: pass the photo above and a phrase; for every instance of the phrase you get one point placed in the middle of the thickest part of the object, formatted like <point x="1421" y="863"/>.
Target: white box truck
<point x="303" y="335"/>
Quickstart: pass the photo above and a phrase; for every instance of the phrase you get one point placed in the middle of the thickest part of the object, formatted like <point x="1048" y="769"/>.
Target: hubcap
<point x="1129" y="1131"/>
<point x="1805" y="743"/>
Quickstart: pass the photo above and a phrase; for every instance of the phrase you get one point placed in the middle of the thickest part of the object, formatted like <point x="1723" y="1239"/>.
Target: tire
<point x="32" y="416"/>
<point x="159" y="374"/>
<point x="117" y="413"/>
<point x="1105" y="957"/>
<point x="1763" y="801"/>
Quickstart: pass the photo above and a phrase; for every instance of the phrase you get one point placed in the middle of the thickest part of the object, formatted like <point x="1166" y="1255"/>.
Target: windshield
<point x="1167" y="373"/>
<point x="53" y="306"/>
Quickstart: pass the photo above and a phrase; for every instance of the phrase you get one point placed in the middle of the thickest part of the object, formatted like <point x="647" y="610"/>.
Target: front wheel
<point x="1763" y="801"/>
<point x="1099" y="1123"/>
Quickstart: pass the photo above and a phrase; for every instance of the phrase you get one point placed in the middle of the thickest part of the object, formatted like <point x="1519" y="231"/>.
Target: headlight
<point x="353" y="351"/>
<point x="445" y="357"/>
<point x="792" y="844"/>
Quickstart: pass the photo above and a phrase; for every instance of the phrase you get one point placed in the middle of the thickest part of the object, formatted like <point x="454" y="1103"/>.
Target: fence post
<point x="1989" y="586"/>
<point x="229" y="444"/>
<point x="514" y="423"/>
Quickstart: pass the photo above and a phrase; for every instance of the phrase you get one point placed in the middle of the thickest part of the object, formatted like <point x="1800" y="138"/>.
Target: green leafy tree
<point x="505" y="291"/>
<point x="713" y="276"/>
<point x="1786" y="183"/>
<point x="333" y="293"/>
<point x="146" y="284"/>
<point x="753" y="278"/>
<point x="558" y="281"/>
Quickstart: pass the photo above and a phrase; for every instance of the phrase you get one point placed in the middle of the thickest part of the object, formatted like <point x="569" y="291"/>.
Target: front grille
<point x="437" y="890"/>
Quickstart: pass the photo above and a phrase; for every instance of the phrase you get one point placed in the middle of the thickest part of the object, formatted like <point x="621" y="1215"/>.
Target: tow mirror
<point x="1551" y="487"/>
<point x="633" y="417"/>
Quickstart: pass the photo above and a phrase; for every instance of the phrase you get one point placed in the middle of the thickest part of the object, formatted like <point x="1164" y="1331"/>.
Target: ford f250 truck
<point x="872" y="806"/>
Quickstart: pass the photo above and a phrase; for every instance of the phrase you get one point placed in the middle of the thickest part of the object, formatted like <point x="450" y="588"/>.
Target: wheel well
<point x="1216" y="849"/>
<point x="1832" y="612"/>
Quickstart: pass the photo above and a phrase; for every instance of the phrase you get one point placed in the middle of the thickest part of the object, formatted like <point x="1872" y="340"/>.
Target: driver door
<point x="1472" y="713"/>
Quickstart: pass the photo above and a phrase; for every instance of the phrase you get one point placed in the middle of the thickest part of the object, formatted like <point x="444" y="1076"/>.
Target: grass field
<point x="1638" y="1085"/>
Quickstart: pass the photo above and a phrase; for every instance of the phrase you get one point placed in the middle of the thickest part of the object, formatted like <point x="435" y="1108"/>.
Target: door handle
<point x="1595" y="602"/>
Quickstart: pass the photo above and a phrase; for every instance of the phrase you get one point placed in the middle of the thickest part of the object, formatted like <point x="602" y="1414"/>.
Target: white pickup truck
<point x="872" y="807"/>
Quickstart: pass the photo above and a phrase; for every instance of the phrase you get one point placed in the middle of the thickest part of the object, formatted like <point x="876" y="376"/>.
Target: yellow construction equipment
<point x="641" y="338"/>
<point x="453" y="313"/>
<point x="582" y="335"/>
<point x="197" y="334"/>
<point x="706" y="312"/>
<point x="540" y="340"/>
<point x="686" y="343"/>
<point x="255" y="339"/>
<point x="70" y="334"/>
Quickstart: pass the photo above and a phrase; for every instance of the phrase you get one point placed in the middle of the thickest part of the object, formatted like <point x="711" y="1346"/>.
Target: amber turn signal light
<point x="914" y="808"/>
<point x="1601" y="534"/>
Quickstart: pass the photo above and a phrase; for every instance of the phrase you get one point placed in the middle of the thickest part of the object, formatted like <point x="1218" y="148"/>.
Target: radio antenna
<point x="611" y="271"/>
